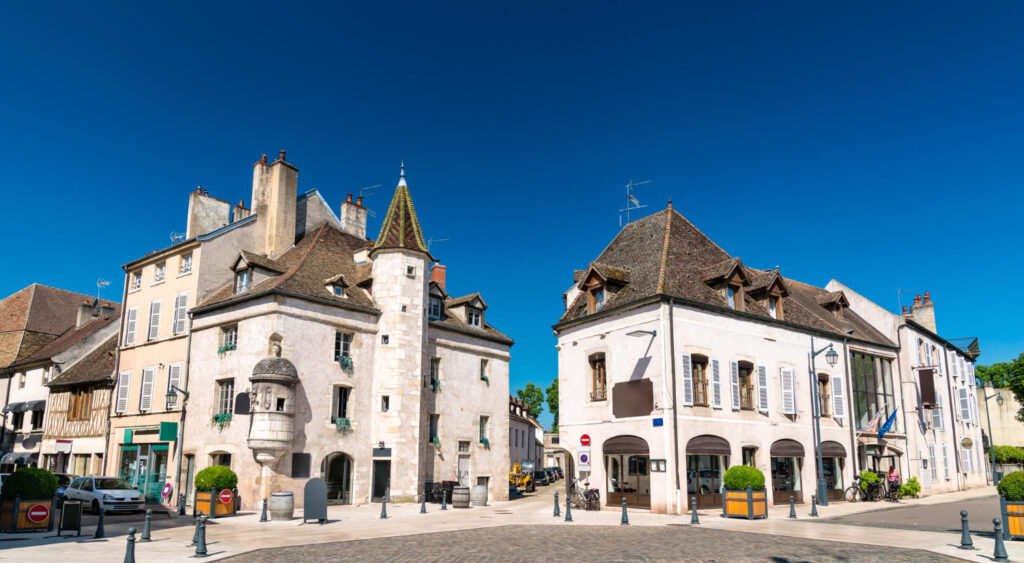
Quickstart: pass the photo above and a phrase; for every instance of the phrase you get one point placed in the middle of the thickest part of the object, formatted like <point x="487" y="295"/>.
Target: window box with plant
<point x="208" y="485"/>
<point x="345" y="361"/>
<point x="435" y="384"/>
<point x="485" y="443"/>
<point x="1011" y="504"/>
<point x="436" y="442"/>
<point x="221" y="419"/>
<point x="21" y="490"/>
<point x="745" y="495"/>
<point x="342" y="424"/>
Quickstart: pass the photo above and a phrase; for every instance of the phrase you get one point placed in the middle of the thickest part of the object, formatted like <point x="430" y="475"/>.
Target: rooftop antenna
<point x="368" y="191"/>
<point x="177" y="237"/>
<point x="632" y="203"/>
<point x="100" y="284"/>
<point x="432" y="240"/>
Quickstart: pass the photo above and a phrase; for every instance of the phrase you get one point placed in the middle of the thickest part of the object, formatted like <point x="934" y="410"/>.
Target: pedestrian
<point x="893" y="478"/>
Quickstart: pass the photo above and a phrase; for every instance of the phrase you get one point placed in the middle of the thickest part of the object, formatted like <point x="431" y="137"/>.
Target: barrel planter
<point x="478" y="497"/>
<point x="1013" y="518"/>
<point x="460" y="497"/>
<point x="14" y="515"/>
<point x="281" y="506"/>
<point x="748" y="504"/>
<point x="208" y="503"/>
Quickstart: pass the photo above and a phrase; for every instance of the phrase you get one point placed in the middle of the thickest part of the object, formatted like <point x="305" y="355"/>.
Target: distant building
<point x="554" y="453"/>
<point x="522" y="433"/>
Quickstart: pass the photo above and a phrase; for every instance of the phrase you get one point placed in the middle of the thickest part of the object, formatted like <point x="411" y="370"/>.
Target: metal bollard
<point x="423" y="504"/>
<point x="195" y="534"/>
<point x="146" y="527"/>
<point x="181" y="504"/>
<point x="792" y="507"/>
<point x="568" y="510"/>
<point x="444" y="499"/>
<point x="694" y="519"/>
<point x="384" y="508"/>
<point x="965" y="533"/>
<point x="814" y="505"/>
<point x="1000" y="551"/>
<point x="201" y="545"/>
<point x="129" y="549"/>
<point x="100" y="532"/>
<point x="557" y="514"/>
<point x="263" y="515"/>
<point x="625" y="517"/>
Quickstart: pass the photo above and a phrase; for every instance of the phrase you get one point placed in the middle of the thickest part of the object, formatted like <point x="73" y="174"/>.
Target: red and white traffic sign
<point x="225" y="496"/>
<point x="38" y="513"/>
<point x="585" y="440"/>
<point x="166" y="492"/>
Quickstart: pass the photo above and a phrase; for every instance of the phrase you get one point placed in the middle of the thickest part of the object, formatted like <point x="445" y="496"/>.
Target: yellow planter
<point x="747" y="504"/>
<point x="207" y="503"/>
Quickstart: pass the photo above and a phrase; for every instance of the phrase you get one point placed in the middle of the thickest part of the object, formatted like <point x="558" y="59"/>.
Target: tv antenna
<point x="632" y="203"/>
<point x="366" y="192"/>
<point x="100" y="284"/>
<point x="177" y="237"/>
<point x="432" y="240"/>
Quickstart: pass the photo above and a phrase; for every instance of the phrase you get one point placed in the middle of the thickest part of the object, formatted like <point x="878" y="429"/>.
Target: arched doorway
<point x="626" y="463"/>
<point x="337" y="472"/>
<point x="787" y="465"/>
<point x="706" y="459"/>
<point x="833" y="460"/>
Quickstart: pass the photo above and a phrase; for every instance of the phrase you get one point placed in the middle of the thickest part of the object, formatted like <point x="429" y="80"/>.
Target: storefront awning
<point x="22" y="458"/>
<point x="14" y="407"/>
<point x="625" y="445"/>
<point x="9" y="458"/>
<point x="787" y="448"/>
<point x="708" y="445"/>
<point x="832" y="449"/>
<point x="28" y="458"/>
<point x="35" y="405"/>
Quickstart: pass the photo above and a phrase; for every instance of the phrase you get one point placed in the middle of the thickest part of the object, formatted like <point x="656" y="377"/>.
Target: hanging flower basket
<point x="221" y="420"/>
<point x="485" y="442"/>
<point x="436" y="442"/>
<point x="345" y="361"/>
<point x="485" y="379"/>
<point x="342" y="424"/>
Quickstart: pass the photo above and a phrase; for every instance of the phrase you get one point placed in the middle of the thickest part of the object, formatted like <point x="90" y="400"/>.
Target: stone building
<point x="523" y="429"/>
<point x="344" y="358"/>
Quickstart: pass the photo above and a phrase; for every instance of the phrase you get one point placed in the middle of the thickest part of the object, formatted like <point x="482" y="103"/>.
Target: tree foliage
<point x="533" y="396"/>
<point x="552" y="392"/>
<point x="1006" y="374"/>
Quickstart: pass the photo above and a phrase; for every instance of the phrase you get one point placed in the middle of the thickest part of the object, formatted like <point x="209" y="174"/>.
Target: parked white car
<point x="109" y="493"/>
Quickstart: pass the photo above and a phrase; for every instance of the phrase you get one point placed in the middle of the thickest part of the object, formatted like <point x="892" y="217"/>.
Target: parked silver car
<point x="109" y="494"/>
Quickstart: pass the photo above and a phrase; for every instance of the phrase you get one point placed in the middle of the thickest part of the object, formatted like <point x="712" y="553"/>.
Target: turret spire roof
<point x="401" y="228"/>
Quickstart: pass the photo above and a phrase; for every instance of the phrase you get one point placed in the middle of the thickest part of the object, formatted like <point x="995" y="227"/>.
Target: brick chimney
<point x="353" y="217"/>
<point x="437" y="274"/>
<point x="205" y="213"/>
<point x="274" y="188"/>
<point x="924" y="312"/>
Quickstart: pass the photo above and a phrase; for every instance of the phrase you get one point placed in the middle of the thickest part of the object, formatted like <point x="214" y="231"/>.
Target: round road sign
<point x="585" y="440"/>
<point x="166" y="492"/>
<point x="225" y="496"/>
<point x="584" y="458"/>
<point x="38" y="513"/>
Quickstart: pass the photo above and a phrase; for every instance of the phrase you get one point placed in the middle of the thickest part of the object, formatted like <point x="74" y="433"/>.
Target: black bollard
<point x="694" y="519"/>
<point x="423" y="504"/>
<point x="965" y="533"/>
<point x="129" y="550"/>
<point x="1000" y="552"/>
<point x="625" y="517"/>
<point x="146" y="527"/>
<point x="568" y="510"/>
<point x="195" y="534"/>
<point x="181" y="504"/>
<point x="201" y="544"/>
<point x="557" y="514"/>
<point x="263" y="515"/>
<point x="814" y="505"/>
<point x="384" y="506"/>
<point x="100" y="532"/>
<point x="792" y="507"/>
<point x="444" y="499"/>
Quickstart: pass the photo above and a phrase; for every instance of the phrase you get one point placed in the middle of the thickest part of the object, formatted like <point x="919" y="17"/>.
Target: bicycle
<point x="869" y="492"/>
<point x="582" y="497"/>
<point x="894" y="492"/>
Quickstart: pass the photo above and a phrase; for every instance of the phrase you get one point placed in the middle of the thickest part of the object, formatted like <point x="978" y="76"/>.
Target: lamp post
<point x="832" y="357"/>
<point x="988" y="418"/>
<point x="172" y="395"/>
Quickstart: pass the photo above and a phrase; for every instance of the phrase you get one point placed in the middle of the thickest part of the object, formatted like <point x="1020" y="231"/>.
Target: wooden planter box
<point x="1013" y="518"/>
<point x="747" y="504"/>
<point x="206" y="502"/>
<point x="21" y="523"/>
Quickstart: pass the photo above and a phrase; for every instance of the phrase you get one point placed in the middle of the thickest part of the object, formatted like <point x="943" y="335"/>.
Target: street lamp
<point x="832" y="358"/>
<point x="172" y="395"/>
<point x="991" y="444"/>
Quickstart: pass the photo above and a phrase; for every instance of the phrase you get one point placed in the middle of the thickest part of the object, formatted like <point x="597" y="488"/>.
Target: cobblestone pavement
<point x="934" y="518"/>
<point x="590" y="543"/>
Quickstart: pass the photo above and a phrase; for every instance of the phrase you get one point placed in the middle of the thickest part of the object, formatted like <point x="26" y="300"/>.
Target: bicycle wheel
<point x="852" y="493"/>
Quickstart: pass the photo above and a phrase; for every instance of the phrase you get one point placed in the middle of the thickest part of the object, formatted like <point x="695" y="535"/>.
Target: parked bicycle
<point x="583" y="497"/>
<point x="866" y="492"/>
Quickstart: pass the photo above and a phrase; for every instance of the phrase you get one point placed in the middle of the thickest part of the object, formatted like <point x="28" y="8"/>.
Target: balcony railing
<point x="599" y="395"/>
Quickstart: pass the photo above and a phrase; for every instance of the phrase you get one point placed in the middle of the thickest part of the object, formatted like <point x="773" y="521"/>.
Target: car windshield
<point x="63" y="480"/>
<point x="113" y="484"/>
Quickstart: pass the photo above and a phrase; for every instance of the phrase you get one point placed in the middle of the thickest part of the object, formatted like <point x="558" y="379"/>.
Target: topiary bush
<point x="216" y="478"/>
<point x="739" y="477"/>
<point x="911" y="488"/>
<point x="867" y="477"/>
<point x="29" y="483"/>
<point x="1011" y="486"/>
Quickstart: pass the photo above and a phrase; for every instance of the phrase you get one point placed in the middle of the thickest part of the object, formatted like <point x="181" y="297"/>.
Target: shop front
<point x="707" y="457"/>
<point x="787" y="465"/>
<point x="833" y="461"/>
<point x="143" y="465"/>
<point x="627" y="465"/>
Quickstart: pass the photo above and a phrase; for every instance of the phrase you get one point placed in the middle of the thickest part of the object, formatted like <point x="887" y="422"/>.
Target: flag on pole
<point x="873" y="423"/>
<point x="888" y="423"/>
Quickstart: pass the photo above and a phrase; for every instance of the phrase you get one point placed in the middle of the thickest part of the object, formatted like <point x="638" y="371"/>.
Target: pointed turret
<point x="401" y="228"/>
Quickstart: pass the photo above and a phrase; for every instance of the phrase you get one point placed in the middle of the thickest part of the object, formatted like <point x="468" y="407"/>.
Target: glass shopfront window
<point x="872" y="389"/>
<point x="704" y="473"/>
<point x="786" y="479"/>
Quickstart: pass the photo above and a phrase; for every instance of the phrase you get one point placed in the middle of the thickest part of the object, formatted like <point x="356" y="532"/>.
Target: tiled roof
<point x="611" y="272"/>
<point x="829" y="297"/>
<point x="667" y="255"/>
<point x="487" y="331"/>
<point x="95" y="367"/>
<point x="70" y="337"/>
<point x="262" y="261"/>
<point x="401" y="228"/>
<point x="462" y="300"/>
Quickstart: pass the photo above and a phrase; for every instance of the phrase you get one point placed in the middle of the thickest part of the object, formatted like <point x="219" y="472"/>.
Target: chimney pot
<point x="281" y="156"/>
<point x="927" y="297"/>
<point x="917" y="299"/>
<point x="359" y="201"/>
<point x="349" y="198"/>
<point x="438" y="274"/>
<point x="904" y="310"/>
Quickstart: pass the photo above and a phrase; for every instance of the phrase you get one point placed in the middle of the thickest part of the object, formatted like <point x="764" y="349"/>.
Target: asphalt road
<point x="934" y="518"/>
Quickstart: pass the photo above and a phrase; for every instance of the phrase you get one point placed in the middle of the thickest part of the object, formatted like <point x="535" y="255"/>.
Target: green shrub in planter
<point x="911" y="488"/>
<point x="29" y="483"/>
<point x="216" y="478"/>
<point x="1011" y="486"/>
<point x="868" y="477"/>
<point x="739" y="477"/>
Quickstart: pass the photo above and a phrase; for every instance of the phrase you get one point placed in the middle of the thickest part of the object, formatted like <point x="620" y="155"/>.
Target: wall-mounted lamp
<point x="651" y="333"/>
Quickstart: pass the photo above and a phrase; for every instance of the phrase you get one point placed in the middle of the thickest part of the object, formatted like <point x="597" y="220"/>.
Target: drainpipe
<point x="179" y="447"/>
<point x="117" y="370"/>
<point x="7" y="401"/>
<point x="903" y="403"/>
<point x="952" y="419"/>
<point x="675" y="415"/>
<point x="849" y="407"/>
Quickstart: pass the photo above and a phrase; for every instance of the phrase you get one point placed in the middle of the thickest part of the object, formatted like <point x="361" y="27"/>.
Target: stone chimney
<point x="205" y="213"/>
<point x="86" y="313"/>
<point x="240" y="211"/>
<point x="437" y="274"/>
<point x="274" y="188"/>
<point x="353" y="217"/>
<point x="924" y="312"/>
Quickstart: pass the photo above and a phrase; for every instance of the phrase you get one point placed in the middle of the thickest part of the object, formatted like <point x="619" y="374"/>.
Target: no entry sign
<point x="38" y="513"/>
<point x="225" y="496"/>
<point x="585" y="440"/>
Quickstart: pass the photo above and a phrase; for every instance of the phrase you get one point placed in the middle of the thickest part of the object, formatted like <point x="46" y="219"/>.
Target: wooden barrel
<point x="460" y="497"/>
<point x="479" y="495"/>
<point x="281" y="506"/>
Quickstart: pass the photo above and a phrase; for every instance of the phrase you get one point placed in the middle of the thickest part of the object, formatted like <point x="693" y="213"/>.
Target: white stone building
<point x="522" y="434"/>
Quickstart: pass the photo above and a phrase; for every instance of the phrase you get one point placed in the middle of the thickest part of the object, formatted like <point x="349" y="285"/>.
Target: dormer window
<point x="596" y="299"/>
<point x="773" y="307"/>
<point x="734" y="296"/>
<point x="435" y="309"/>
<point x="243" y="279"/>
<point x="338" y="290"/>
<point x="474" y="317"/>
<point x="730" y="296"/>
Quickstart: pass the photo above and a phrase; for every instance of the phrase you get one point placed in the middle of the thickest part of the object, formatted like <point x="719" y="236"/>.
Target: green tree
<point x="552" y="392"/>
<point x="533" y="396"/>
<point x="1006" y="374"/>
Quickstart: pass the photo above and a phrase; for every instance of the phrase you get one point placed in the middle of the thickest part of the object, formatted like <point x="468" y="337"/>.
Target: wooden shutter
<point x="146" y="396"/>
<point x="716" y="383"/>
<point x="123" y="386"/>
<point x="734" y="374"/>
<point x="129" y="330"/>
<point x="687" y="381"/>
<point x="180" y="308"/>
<point x="762" y="388"/>
<point x="931" y="460"/>
<point x="173" y="378"/>
<point x="838" y="397"/>
<point x="920" y="357"/>
<point x="937" y="418"/>
<point x="945" y="462"/>
<point x="788" y="392"/>
<point x="154" y="320"/>
<point x="956" y="372"/>
<point x="926" y="382"/>
<point x="965" y="407"/>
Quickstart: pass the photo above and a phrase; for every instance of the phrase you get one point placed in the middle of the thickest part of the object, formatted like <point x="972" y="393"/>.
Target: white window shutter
<point x="953" y="363"/>
<point x="687" y="381"/>
<point x="716" y="384"/>
<point x="963" y="369"/>
<point x="920" y="358"/>
<point x="180" y="312"/>
<point x="154" y="320"/>
<point x="838" y="397"/>
<point x="945" y="462"/>
<point x="734" y="383"/>
<point x="965" y="406"/>
<point x="124" y="382"/>
<point x="129" y="329"/>
<point x="146" y="396"/>
<point x="788" y="392"/>
<point x="762" y="388"/>
<point x="932" y="461"/>
<point x="174" y="378"/>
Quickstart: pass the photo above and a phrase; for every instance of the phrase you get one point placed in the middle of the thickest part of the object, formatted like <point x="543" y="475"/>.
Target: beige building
<point x="1002" y="415"/>
<point x="555" y="453"/>
<point x="344" y="358"/>
<point x="524" y="434"/>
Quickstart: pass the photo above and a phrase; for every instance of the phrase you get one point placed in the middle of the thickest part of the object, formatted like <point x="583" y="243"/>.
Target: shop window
<point x="599" y="377"/>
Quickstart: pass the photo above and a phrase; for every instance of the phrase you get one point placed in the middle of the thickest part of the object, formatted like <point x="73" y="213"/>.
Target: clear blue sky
<point x="879" y="145"/>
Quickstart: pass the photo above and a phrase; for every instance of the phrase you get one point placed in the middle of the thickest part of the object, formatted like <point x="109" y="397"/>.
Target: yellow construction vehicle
<point x="519" y="480"/>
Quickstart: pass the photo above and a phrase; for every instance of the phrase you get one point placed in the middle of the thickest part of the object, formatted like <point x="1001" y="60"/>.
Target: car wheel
<point x="95" y="507"/>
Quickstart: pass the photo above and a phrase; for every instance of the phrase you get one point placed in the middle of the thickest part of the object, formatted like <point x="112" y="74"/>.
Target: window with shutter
<point x="953" y="364"/>
<point x="762" y="388"/>
<point x="937" y="412"/>
<point x="788" y="392"/>
<point x="123" y="386"/>
<point x="965" y="406"/>
<point x="920" y="353"/>
<point x="963" y="369"/>
<point x="931" y="462"/>
<point x="180" y="308"/>
<point x="687" y="381"/>
<point x="146" y="394"/>
<point x="838" y="397"/>
<point x="173" y="379"/>
<point x="154" y="320"/>
<point x="945" y="462"/>
<point x="734" y="378"/>
<point x="129" y="329"/>
<point x="716" y="383"/>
